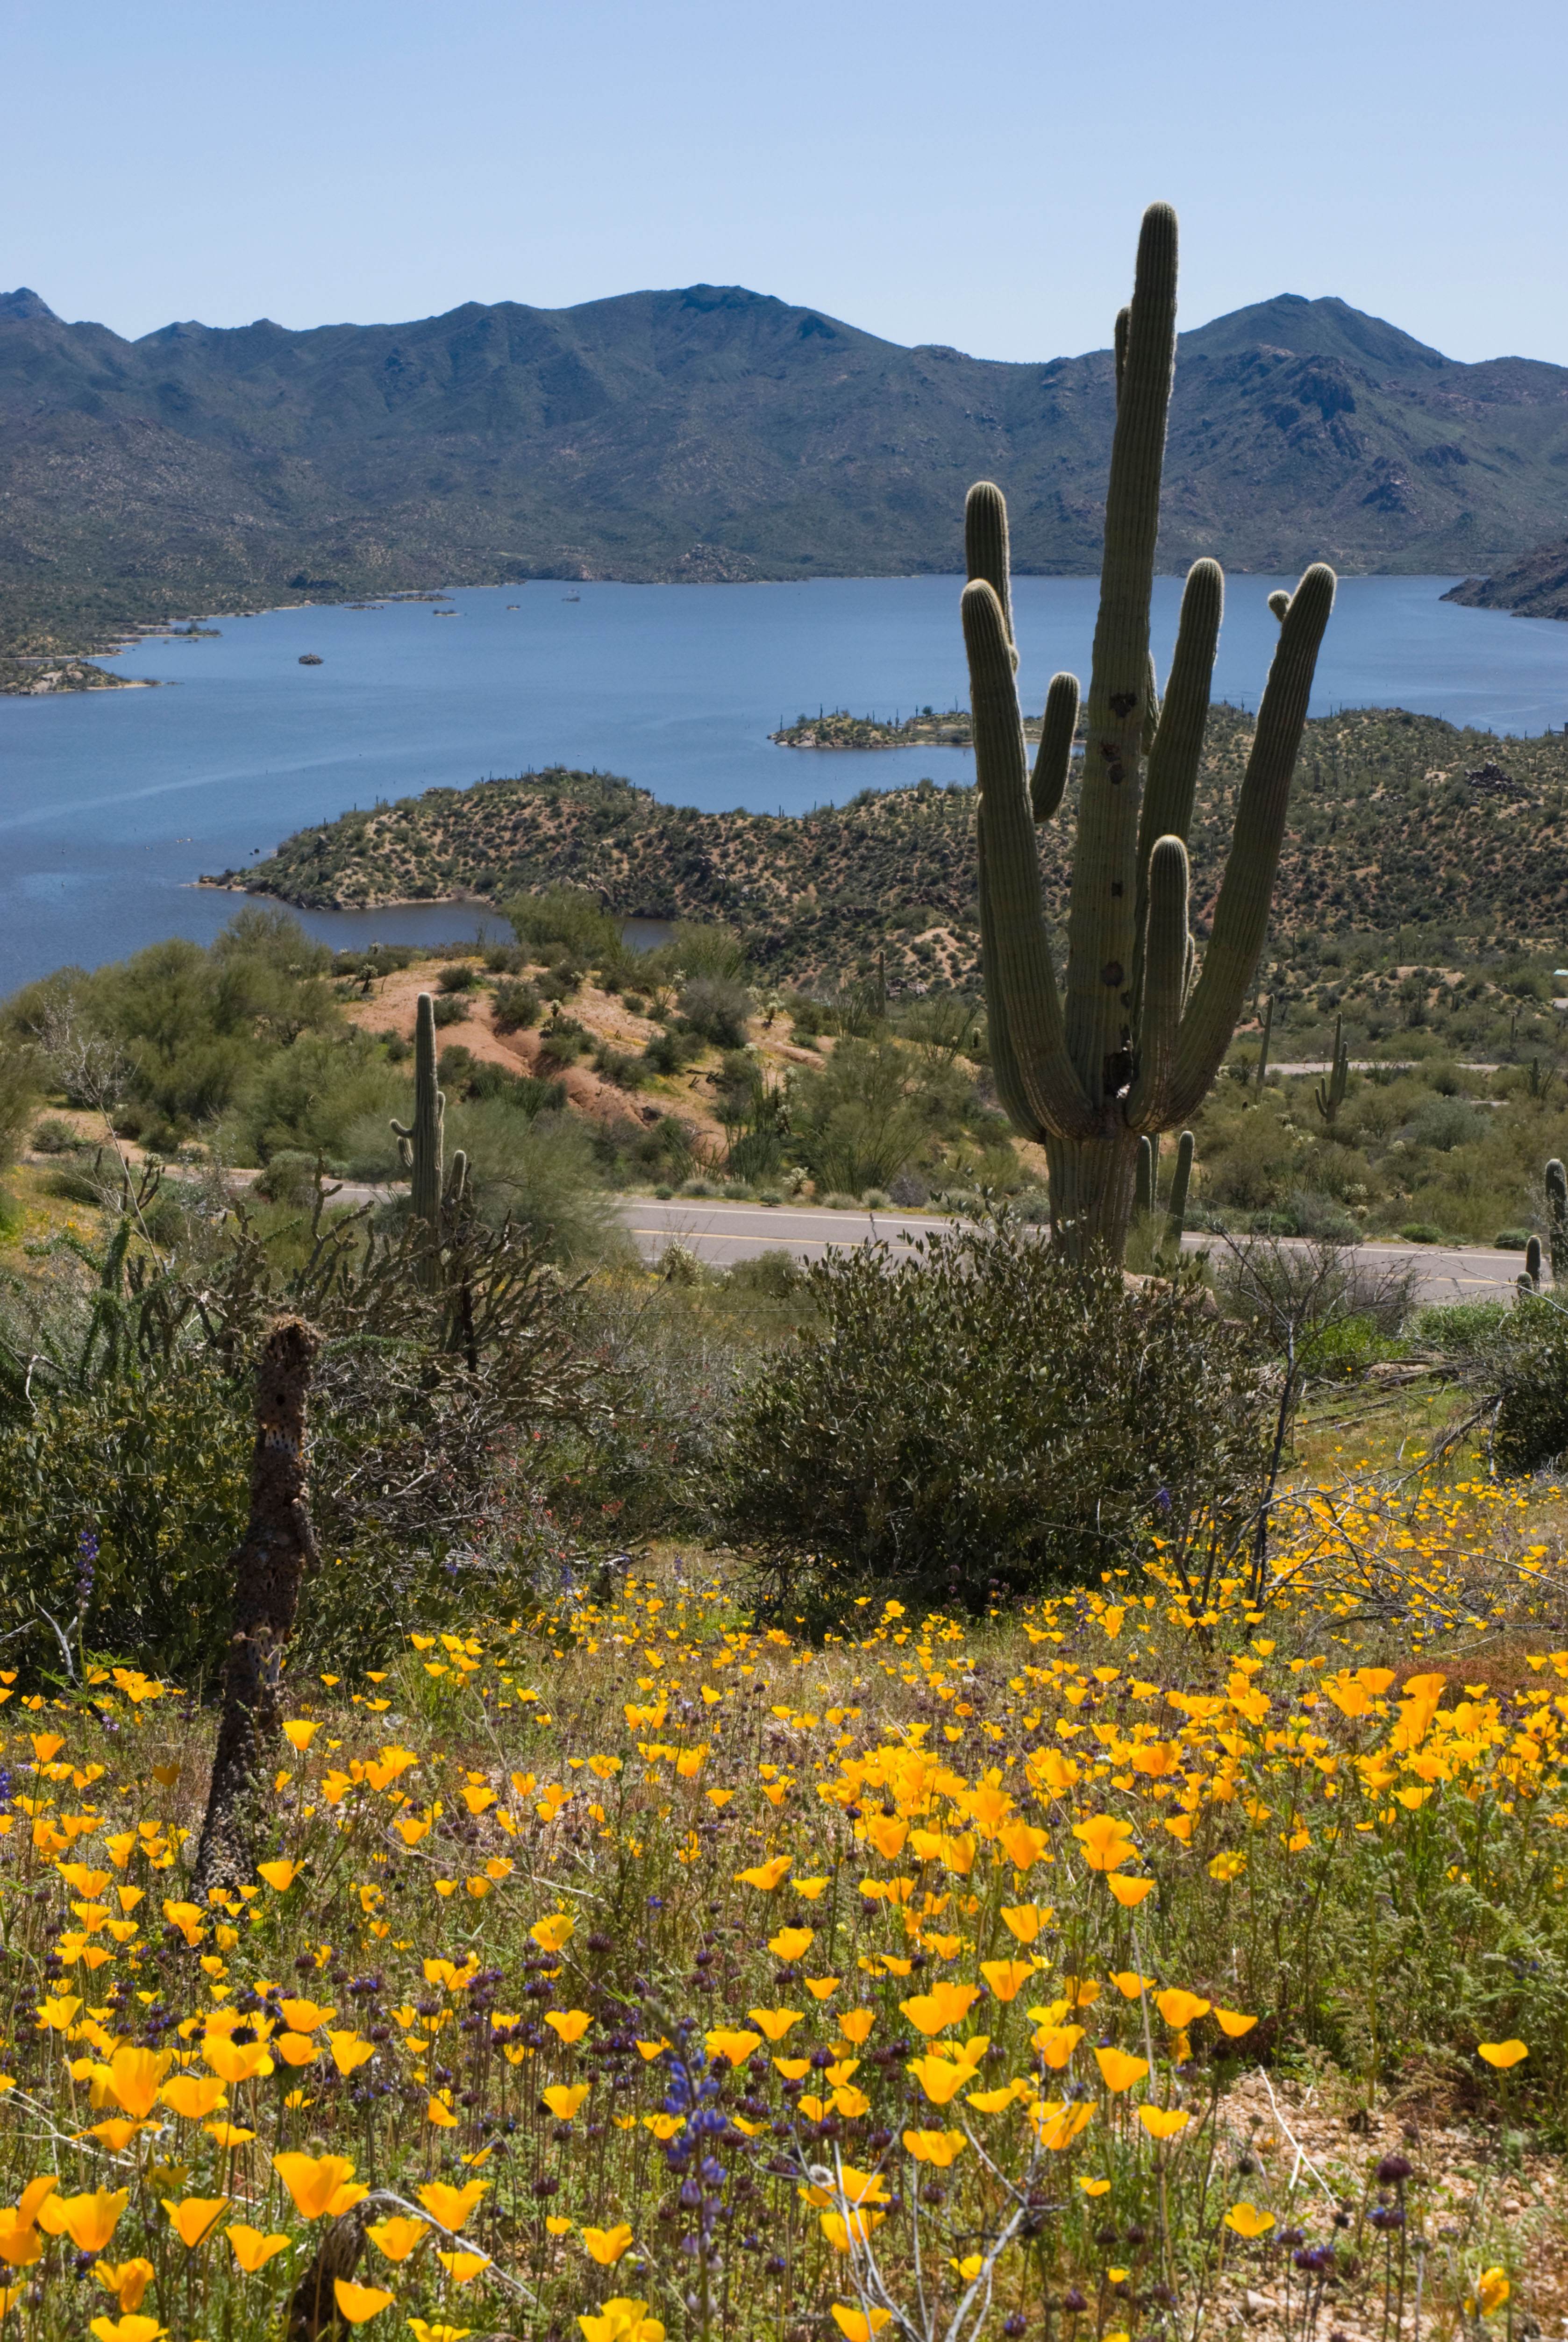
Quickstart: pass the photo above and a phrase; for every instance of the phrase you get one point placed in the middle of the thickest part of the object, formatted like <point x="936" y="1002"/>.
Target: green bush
<point x="717" y="1008"/>
<point x="451" y="1008"/>
<point x="565" y="918"/>
<point x="854" y="1124"/>
<point x="1421" y="1232"/>
<point x="986" y="1418"/>
<point x="515" y="1006"/>
<point x="1462" y="1328"/>
<point x="1531" y="1430"/>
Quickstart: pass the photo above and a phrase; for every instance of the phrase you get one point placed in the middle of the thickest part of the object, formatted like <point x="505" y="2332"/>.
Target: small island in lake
<point x="926" y="728"/>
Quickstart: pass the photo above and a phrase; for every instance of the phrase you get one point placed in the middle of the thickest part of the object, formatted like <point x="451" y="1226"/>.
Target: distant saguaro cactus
<point x="1176" y="1209"/>
<point x="1557" y="1220"/>
<point x="1136" y="1043"/>
<point x="1329" y="1096"/>
<point x="1263" y="1073"/>
<point x="1146" y="1192"/>
<point x="1530" y="1282"/>
<point x="419" y="1143"/>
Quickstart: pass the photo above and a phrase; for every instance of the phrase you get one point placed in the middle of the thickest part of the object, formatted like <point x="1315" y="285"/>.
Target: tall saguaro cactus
<point x="419" y="1143"/>
<point x="1134" y="1044"/>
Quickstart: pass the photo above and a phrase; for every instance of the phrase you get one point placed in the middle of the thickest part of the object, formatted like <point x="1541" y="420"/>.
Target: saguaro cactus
<point x="1135" y="1044"/>
<point x="1557" y="1220"/>
<point x="1530" y="1282"/>
<point x="1146" y="1190"/>
<point x="1264" y="1042"/>
<point x="419" y="1143"/>
<point x="1329" y="1096"/>
<point x="1176" y="1210"/>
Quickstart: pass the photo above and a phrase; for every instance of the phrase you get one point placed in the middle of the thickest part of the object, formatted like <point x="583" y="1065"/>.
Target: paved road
<point x="724" y="1233"/>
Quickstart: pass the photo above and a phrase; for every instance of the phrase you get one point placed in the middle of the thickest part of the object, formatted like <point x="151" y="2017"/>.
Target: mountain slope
<point x="1535" y="587"/>
<point x="714" y="433"/>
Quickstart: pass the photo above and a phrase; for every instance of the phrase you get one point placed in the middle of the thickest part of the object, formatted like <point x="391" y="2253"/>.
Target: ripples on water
<point x="112" y="804"/>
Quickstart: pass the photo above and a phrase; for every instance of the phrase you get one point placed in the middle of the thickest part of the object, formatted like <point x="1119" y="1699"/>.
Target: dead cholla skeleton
<point x="1133" y="1046"/>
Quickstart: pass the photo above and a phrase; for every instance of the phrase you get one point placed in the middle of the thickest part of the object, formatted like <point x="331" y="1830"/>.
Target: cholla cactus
<point x="1133" y="1046"/>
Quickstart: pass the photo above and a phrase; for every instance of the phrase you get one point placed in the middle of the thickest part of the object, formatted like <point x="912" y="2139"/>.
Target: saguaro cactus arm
<point x="1242" y="914"/>
<point x="1170" y="785"/>
<point x="1054" y="757"/>
<point x="1149" y="1104"/>
<point x="1033" y="1072"/>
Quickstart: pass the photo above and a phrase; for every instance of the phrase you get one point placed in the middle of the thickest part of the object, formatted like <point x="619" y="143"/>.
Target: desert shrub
<point x="701" y="948"/>
<point x="988" y="1417"/>
<point x="562" y="1042"/>
<point x="1442" y="1124"/>
<point x="777" y="1273"/>
<point x="305" y="1099"/>
<point x="457" y="976"/>
<point x="1529" y="1367"/>
<point x="855" y="1124"/>
<point x="515" y="1006"/>
<point x="613" y="1065"/>
<point x="1461" y="1327"/>
<point x="53" y="1136"/>
<point x="565" y="918"/>
<point x="176" y="1032"/>
<point x="670" y="1053"/>
<point x="451" y="1008"/>
<point x="420" y="1452"/>
<point x="756" y="1157"/>
<point x="717" y="1008"/>
<point x="289" y="1178"/>
<point x="540" y="1172"/>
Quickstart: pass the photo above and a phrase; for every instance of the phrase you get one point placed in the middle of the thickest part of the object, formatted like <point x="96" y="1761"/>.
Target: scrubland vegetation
<point x="987" y="1799"/>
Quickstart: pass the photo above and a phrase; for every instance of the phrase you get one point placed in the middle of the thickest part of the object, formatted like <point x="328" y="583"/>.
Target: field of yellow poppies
<point x="1173" y="1957"/>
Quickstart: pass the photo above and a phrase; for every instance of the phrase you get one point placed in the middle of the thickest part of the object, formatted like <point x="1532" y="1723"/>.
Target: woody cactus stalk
<point x="1329" y="1096"/>
<point x="278" y="1547"/>
<point x="1135" y="1044"/>
<point x="419" y="1143"/>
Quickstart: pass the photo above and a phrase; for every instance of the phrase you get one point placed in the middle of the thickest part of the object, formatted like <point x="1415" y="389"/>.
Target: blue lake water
<point x="112" y="804"/>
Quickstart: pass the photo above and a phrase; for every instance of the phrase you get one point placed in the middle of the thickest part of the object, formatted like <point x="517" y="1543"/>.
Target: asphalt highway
<point x="724" y="1233"/>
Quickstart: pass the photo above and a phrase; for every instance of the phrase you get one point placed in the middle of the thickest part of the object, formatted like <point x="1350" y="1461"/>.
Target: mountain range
<point x="714" y="434"/>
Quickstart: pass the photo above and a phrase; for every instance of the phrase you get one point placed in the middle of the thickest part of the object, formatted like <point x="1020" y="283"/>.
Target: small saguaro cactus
<point x="419" y="1143"/>
<point x="1264" y="1044"/>
<point x="1329" y="1096"/>
<point x="1530" y="1282"/>
<point x="1176" y="1208"/>
<point x="1147" y="1191"/>
<point x="1135" y="1044"/>
<point x="1557" y="1220"/>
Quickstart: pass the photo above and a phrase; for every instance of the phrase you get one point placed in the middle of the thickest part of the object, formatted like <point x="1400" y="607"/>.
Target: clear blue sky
<point x="970" y="172"/>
